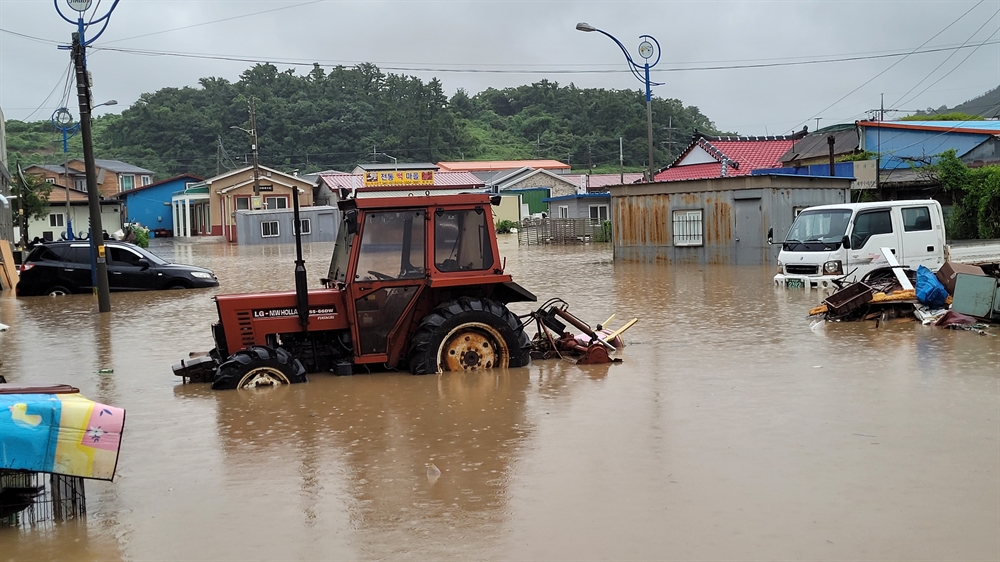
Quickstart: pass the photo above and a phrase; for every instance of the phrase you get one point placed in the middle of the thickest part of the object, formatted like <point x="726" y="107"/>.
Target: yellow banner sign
<point x="396" y="177"/>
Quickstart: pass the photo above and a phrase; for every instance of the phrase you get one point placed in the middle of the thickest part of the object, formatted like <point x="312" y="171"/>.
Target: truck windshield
<point x="816" y="231"/>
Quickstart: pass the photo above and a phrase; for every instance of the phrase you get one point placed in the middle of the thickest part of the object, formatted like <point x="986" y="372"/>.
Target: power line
<point x="953" y="69"/>
<point x="547" y="72"/>
<point x="929" y="74"/>
<point x="870" y="80"/>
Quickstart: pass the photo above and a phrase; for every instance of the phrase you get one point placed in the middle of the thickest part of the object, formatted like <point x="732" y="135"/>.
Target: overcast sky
<point x="478" y="44"/>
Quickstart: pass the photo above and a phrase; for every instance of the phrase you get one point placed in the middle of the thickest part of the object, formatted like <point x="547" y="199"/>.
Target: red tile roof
<point x="489" y="166"/>
<point x="748" y="154"/>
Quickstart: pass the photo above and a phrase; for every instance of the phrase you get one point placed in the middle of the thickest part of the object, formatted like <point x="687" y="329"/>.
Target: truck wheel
<point x="468" y="334"/>
<point x="259" y="365"/>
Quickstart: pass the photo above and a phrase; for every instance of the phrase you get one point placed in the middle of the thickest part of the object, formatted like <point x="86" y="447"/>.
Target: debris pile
<point x="957" y="297"/>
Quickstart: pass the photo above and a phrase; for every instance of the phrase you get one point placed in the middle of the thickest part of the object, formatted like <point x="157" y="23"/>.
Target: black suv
<point x="59" y="268"/>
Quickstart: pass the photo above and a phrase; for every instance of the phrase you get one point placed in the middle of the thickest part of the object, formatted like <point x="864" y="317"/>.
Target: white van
<point x="844" y="241"/>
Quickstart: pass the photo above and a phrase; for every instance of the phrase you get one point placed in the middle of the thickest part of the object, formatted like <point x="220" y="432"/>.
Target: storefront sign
<point x="396" y="177"/>
<point x="864" y="175"/>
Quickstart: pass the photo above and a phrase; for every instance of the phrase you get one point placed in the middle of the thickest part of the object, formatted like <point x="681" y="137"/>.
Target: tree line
<point x="336" y="119"/>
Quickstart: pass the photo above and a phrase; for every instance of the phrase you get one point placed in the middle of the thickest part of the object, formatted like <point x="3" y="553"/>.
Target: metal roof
<point x="117" y="166"/>
<point x="816" y="145"/>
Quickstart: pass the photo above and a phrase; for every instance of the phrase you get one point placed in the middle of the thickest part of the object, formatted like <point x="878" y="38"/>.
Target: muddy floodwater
<point x="733" y="430"/>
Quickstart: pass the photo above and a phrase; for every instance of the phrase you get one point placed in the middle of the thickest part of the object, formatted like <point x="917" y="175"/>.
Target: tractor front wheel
<point x="468" y="334"/>
<point x="257" y="366"/>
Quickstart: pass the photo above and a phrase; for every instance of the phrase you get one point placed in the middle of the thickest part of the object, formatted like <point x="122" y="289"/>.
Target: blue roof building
<point x="150" y="205"/>
<point x="908" y="144"/>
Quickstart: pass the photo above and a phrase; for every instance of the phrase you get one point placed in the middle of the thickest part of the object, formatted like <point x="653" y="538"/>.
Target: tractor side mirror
<point x="351" y="221"/>
<point x="846" y="242"/>
<point x="770" y="235"/>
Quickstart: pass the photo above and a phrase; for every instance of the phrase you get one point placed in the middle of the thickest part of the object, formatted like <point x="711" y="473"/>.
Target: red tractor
<point x="414" y="283"/>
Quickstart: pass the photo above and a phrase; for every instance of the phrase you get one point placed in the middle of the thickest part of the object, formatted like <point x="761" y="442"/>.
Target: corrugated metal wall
<point x="323" y="220"/>
<point x="734" y="222"/>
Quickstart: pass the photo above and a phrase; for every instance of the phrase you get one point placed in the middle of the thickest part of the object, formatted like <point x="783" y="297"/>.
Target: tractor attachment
<point x="590" y="347"/>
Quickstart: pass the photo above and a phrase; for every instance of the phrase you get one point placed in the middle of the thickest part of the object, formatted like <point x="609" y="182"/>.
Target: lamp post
<point x="252" y="131"/>
<point x="78" y="52"/>
<point x="648" y="47"/>
<point x="62" y="119"/>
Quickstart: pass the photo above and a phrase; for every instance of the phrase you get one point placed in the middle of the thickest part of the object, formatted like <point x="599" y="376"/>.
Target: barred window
<point x="269" y="229"/>
<point x="688" y="228"/>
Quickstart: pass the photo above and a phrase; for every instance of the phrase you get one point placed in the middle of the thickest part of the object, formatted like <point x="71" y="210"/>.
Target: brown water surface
<point x="733" y="430"/>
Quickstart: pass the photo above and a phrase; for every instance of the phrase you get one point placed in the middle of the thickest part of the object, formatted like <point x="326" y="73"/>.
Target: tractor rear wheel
<point x="257" y="366"/>
<point x="468" y="334"/>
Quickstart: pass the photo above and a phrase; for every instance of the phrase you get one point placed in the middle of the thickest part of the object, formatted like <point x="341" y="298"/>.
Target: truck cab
<point x="845" y="241"/>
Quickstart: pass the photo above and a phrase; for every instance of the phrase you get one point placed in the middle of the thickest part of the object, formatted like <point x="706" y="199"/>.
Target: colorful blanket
<point x="60" y="433"/>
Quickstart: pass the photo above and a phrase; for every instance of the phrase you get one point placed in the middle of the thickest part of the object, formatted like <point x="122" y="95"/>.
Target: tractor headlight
<point x="833" y="267"/>
<point x="201" y="275"/>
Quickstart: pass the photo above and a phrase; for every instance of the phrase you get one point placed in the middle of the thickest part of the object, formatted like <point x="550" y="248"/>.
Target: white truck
<point x="844" y="241"/>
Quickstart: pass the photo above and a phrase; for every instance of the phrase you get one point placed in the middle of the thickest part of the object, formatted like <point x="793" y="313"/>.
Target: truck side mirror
<point x="770" y="235"/>
<point x="846" y="242"/>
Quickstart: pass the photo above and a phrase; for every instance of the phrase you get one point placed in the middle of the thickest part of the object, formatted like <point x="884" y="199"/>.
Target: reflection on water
<point x="732" y="429"/>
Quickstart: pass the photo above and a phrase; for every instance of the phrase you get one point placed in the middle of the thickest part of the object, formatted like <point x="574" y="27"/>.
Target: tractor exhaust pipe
<point x="301" y="285"/>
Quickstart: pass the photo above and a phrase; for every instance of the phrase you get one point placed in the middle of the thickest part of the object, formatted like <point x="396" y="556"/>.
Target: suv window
<point x="44" y="253"/>
<point x="123" y="256"/>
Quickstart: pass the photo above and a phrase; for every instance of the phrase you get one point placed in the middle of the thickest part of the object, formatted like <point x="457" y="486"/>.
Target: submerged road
<point x="734" y="429"/>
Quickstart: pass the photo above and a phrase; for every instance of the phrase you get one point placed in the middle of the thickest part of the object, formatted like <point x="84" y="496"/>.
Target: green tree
<point x="975" y="194"/>
<point x="31" y="201"/>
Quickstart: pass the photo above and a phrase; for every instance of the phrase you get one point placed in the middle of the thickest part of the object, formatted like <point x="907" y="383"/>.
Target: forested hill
<point x="335" y="120"/>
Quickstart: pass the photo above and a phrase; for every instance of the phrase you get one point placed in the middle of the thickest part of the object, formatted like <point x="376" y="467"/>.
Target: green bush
<point x="604" y="233"/>
<point x="505" y="226"/>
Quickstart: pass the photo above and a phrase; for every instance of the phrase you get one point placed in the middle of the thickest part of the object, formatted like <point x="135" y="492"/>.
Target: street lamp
<point x="648" y="46"/>
<point x="62" y="119"/>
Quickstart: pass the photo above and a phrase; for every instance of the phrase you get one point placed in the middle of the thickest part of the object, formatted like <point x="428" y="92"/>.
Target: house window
<point x="564" y="211"/>
<point x="56" y="219"/>
<point x="305" y="226"/>
<point x="127" y="183"/>
<point x="276" y="202"/>
<point x="598" y="213"/>
<point x="145" y="180"/>
<point x="50" y="180"/>
<point x="269" y="229"/>
<point x="242" y="203"/>
<point x="80" y="184"/>
<point x="688" y="228"/>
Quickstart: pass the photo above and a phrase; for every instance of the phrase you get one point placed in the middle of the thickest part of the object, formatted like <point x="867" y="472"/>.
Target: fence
<point x="31" y="499"/>
<point x="563" y="231"/>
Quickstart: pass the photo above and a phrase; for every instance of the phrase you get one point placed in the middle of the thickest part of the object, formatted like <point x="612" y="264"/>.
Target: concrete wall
<point x="111" y="220"/>
<point x="324" y="222"/>
<point x="509" y="209"/>
<point x="736" y="215"/>
<point x="556" y="186"/>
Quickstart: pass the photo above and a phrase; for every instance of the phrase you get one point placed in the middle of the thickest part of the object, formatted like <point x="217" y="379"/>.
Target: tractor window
<point x="461" y="240"/>
<point x="341" y="253"/>
<point x="392" y="246"/>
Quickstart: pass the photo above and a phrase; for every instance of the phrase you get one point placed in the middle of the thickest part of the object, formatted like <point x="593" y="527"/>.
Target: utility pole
<point x="98" y="255"/>
<point x="218" y="154"/>
<point x="621" y="161"/>
<point x="256" y="165"/>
